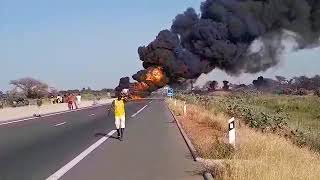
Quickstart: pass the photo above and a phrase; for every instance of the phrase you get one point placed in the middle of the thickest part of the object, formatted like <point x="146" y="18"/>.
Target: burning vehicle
<point x="246" y="36"/>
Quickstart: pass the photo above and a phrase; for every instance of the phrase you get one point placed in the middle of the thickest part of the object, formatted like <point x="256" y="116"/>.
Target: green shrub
<point x="88" y="96"/>
<point x="317" y="92"/>
<point x="301" y="92"/>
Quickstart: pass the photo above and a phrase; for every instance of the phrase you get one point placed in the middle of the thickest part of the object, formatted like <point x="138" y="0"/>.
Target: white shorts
<point x="120" y="121"/>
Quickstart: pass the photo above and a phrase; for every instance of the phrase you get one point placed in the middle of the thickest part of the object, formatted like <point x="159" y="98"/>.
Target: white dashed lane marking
<point x="60" y="124"/>
<point x="76" y="160"/>
<point x="139" y="111"/>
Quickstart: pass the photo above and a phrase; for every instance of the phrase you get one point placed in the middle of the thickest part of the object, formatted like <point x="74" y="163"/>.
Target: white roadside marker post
<point x="184" y="109"/>
<point x="232" y="132"/>
<point x="175" y="102"/>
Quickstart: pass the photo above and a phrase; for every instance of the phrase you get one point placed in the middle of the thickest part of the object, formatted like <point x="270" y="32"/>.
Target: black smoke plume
<point x="124" y="83"/>
<point x="223" y="37"/>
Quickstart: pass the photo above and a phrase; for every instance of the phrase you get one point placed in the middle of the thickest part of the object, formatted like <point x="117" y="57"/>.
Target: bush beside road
<point x="10" y="113"/>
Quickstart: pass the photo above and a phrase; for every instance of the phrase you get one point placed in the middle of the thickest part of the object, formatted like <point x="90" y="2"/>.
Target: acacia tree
<point x="32" y="88"/>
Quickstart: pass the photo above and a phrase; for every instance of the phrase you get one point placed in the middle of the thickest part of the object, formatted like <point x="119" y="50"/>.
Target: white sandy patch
<point x="7" y="114"/>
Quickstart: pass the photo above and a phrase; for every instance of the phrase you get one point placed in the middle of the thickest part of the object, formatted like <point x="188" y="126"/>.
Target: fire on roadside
<point x="135" y="97"/>
<point x="148" y="80"/>
<point x="142" y="86"/>
<point x="153" y="77"/>
<point x="156" y="76"/>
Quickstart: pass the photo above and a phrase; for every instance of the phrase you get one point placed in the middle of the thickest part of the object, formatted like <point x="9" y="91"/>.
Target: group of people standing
<point x="72" y="100"/>
<point x="56" y="100"/>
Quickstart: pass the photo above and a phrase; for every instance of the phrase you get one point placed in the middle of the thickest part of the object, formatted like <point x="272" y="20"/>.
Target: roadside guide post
<point x="232" y="132"/>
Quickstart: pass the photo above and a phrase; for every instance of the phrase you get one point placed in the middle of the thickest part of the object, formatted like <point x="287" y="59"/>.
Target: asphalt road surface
<point x="81" y="145"/>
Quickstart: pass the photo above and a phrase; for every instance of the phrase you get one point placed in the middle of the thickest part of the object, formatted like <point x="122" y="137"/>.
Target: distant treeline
<point x="26" y="89"/>
<point x="86" y="91"/>
<point x="300" y="85"/>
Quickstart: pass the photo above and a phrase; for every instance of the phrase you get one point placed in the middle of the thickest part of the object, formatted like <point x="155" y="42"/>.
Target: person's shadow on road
<point x="105" y="135"/>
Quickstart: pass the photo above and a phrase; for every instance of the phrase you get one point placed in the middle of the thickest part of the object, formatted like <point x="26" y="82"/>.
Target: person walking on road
<point x="78" y="101"/>
<point x="120" y="115"/>
<point x="39" y="104"/>
<point x="70" y="101"/>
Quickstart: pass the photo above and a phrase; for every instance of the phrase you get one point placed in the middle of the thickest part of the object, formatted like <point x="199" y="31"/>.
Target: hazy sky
<point x="80" y="43"/>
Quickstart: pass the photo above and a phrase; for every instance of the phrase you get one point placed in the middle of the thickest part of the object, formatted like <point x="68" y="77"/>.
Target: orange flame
<point x="140" y="86"/>
<point x="134" y="97"/>
<point x="156" y="75"/>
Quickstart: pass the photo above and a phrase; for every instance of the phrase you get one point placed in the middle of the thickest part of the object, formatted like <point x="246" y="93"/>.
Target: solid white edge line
<point x="59" y="124"/>
<point x="58" y="174"/>
<point x="139" y="111"/>
<point x="16" y="121"/>
<point x="51" y="114"/>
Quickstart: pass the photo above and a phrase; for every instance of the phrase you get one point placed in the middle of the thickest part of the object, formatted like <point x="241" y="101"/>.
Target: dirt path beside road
<point x="10" y="113"/>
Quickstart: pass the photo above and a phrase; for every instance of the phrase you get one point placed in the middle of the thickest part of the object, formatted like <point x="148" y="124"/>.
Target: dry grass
<point x="206" y="130"/>
<point x="271" y="157"/>
<point x="258" y="155"/>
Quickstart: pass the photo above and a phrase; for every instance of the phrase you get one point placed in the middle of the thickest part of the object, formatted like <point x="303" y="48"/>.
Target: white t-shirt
<point x="78" y="98"/>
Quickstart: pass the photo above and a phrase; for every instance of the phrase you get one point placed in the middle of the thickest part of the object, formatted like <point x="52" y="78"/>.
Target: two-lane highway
<point x="34" y="149"/>
<point x="79" y="145"/>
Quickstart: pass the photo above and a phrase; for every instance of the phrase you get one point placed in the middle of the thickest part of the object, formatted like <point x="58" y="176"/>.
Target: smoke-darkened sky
<point x="79" y="43"/>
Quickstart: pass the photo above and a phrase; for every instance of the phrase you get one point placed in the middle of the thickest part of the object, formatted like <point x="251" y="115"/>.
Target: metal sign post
<point x="170" y="92"/>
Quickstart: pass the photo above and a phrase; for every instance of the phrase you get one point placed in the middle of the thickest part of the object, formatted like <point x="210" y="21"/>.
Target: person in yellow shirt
<point x="120" y="115"/>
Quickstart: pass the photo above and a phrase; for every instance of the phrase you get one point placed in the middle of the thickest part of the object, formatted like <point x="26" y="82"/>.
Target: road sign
<point x="170" y="92"/>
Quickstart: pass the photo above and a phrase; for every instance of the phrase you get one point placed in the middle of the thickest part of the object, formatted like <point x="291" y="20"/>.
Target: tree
<point x="32" y="88"/>
<point x="225" y="85"/>
<point x="317" y="92"/>
<point x="316" y="81"/>
<point x="304" y="82"/>
<point x="211" y="85"/>
<point x="53" y="91"/>
<point x="260" y="82"/>
<point x="106" y="90"/>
